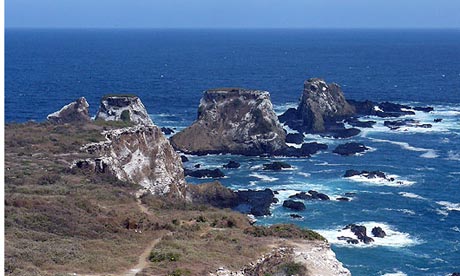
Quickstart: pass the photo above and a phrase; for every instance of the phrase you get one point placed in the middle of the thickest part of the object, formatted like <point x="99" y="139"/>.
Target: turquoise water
<point x="169" y="69"/>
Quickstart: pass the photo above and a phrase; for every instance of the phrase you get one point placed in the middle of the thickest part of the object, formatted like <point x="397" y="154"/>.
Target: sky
<point x="232" y="13"/>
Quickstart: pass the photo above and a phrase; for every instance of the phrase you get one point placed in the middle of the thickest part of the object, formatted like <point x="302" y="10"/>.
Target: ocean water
<point x="169" y="69"/>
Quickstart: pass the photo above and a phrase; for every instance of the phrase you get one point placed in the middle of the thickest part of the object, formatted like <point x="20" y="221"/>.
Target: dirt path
<point x="142" y="262"/>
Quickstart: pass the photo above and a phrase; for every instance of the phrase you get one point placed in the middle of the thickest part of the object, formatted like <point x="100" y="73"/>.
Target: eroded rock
<point x="126" y="108"/>
<point x="75" y="112"/>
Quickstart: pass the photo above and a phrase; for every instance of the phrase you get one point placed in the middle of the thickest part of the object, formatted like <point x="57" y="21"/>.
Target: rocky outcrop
<point x="126" y="108"/>
<point x="236" y="121"/>
<point x="311" y="195"/>
<point x="204" y="173"/>
<point x="360" y="232"/>
<point x="232" y="165"/>
<point x="276" y="166"/>
<point x="75" y="112"/>
<point x="294" y="205"/>
<point x="321" y="104"/>
<point x="140" y="154"/>
<point x="252" y="202"/>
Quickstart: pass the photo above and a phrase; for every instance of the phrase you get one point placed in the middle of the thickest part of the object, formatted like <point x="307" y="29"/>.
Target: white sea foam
<point x="281" y="108"/>
<point x="379" y="181"/>
<point x="304" y="174"/>
<point x="429" y="153"/>
<point x="449" y="206"/>
<point x="453" y="155"/>
<point x="456" y="229"/>
<point x="396" y="273"/>
<point x="404" y="211"/>
<point x="411" y="195"/>
<point x="394" y="238"/>
<point x="263" y="177"/>
<point x="298" y="146"/>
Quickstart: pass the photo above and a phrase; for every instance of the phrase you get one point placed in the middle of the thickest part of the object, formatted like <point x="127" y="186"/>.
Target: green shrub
<point x="293" y="268"/>
<point x="157" y="257"/>
<point x="125" y="116"/>
<point x="180" y="272"/>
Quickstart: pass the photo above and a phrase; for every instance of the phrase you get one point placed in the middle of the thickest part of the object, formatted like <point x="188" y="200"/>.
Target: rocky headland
<point x="125" y="108"/>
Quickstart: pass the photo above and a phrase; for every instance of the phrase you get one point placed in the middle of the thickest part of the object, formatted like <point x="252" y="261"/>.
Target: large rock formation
<point x="140" y="154"/>
<point x="236" y="121"/>
<point x="127" y="108"/>
<point x="321" y="104"/>
<point x="75" y="112"/>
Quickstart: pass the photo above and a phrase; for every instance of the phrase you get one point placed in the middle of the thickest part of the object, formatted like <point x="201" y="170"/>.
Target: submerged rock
<point x="233" y="120"/>
<point x="350" y="148"/>
<point x="232" y="165"/>
<point x="140" y="154"/>
<point x="125" y="108"/>
<point x="75" y="112"/>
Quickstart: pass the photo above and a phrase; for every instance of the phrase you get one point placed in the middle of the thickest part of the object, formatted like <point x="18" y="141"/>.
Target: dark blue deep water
<point x="169" y="69"/>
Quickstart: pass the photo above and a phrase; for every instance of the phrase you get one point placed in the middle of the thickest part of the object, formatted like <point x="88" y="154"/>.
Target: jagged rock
<point x="296" y="216"/>
<point x="232" y="165"/>
<point x="350" y="173"/>
<point x="367" y="174"/>
<point x="378" y="232"/>
<point x="383" y="110"/>
<point x="75" y="112"/>
<point x="437" y="120"/>
<point x="342" y="199"/>
<point x="424" y="108"/>
<point x="126" y="108"/>
<point x="320" y="196"/>
<point x="216" y="173"/>
<point x="197" y="166"/>
<point x="184" y="158"/>
<point x="143" y="155"/>
<point x="301" y="195"/>
<point x="360" y="232"/>
<point x="167" y="130"/>
<point x="236" y="121"/>
<point x="254" y="202"/>
<point x="350" y="148"/>
<point x="294" y="138"/>
<point x="294" y="205"/>
<point x="276" y="166"/>
<point x="406" y="122"/>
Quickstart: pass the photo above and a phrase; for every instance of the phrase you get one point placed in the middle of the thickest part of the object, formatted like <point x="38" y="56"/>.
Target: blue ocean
<point x="169" y="70"/>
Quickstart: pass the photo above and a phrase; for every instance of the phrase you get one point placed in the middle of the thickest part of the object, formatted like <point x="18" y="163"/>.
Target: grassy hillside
<point x="60" y="220"/>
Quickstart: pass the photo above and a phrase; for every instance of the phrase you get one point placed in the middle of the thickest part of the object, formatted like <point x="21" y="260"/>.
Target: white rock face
<point x="143" y="155"/>
<point x="123" y="108"/>
<point x="77" y="111"/>
<point x="233" y="120"/>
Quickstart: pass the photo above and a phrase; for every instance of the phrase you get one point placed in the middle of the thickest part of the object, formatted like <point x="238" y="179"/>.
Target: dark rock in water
<point x="343" y="199"/>
<point x="360" y="233"/>
<point x="276" y="166"/>
<point x="312" y="148"/>
<point x="258" y="201"/>
<point x="383" y="110"/>
<point x="252" y="202"/>
<point x="294" y="138"/>
<point x="75" y="112"/>
<point x="184" y="158"/>
<point x="126" y="108"/>
<point x="455" y="274"/>
<point x="232" y="165"/>
<point x="167" y="130"/>
<point x="437" y="120"/>
<point x="296" y="216"/>
<point x="407" y="123"/>
<point x="353" y="121"/>
<point x="316" y="195"/>
<point x="378" y="232"/>
<point x="302" y="195"/>
<point x="320" y="104"/>
<point x="294" y="205"/>
<point x="197" y="166"/>
<point x="216" y="173"/>
<point x="350" y="173"/>
<point x="424" y="108"/>
<point x="233" y="120"/>
<point x="342" y="133"/>
<point x="350" y="148"/>
<point x="349" y="240"/>
<point x="290" y="115"/>
<point x="350" y="194"/>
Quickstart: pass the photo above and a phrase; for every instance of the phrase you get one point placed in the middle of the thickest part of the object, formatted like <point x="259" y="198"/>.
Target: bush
<point x="293" y="268"/>
<point x="125" y="116"/>
<point x="180" y="272"/>
<point x="157" y="257"/>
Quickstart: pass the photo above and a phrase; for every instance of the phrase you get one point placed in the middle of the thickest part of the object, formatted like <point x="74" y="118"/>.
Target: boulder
<point x="378" y="232"/>
<point x="295" y="216"/>
<point x="342" y="199"/>
<point x="350" y="173"/>
<point x="167" y="130"/>
<point x="184" y="158"/>
<point x="233" y="120"/>
<point x="320" y="196"/>
<point x="216" y="173"/>
<point x="360" y="233"/>
<point x="350" y="148"/>
<point x="423" y="108"/>
<point x="125" y="108"/>
<point x="254" y="202"/>
<point x="140" y="154"/>
<point x="437" y="120"/>
<point x="306" y="150"/>
<point x="294" y="205"/>
<point x="75" y="112"/>
<point x="383" y="110"/>
<point x="294" y="138"/>
<point x="301" y="195"/>
<point x="354" y="121"/>
<point x="232" y="165"/>
<point x="276" y="166"/>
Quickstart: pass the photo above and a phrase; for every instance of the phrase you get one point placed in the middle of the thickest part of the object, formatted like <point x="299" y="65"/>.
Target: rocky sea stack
<point x="75" y="112"/>
<point x="321" y="105"/>
<point x="233" y="120"/>
<point x="126" y="108"/>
